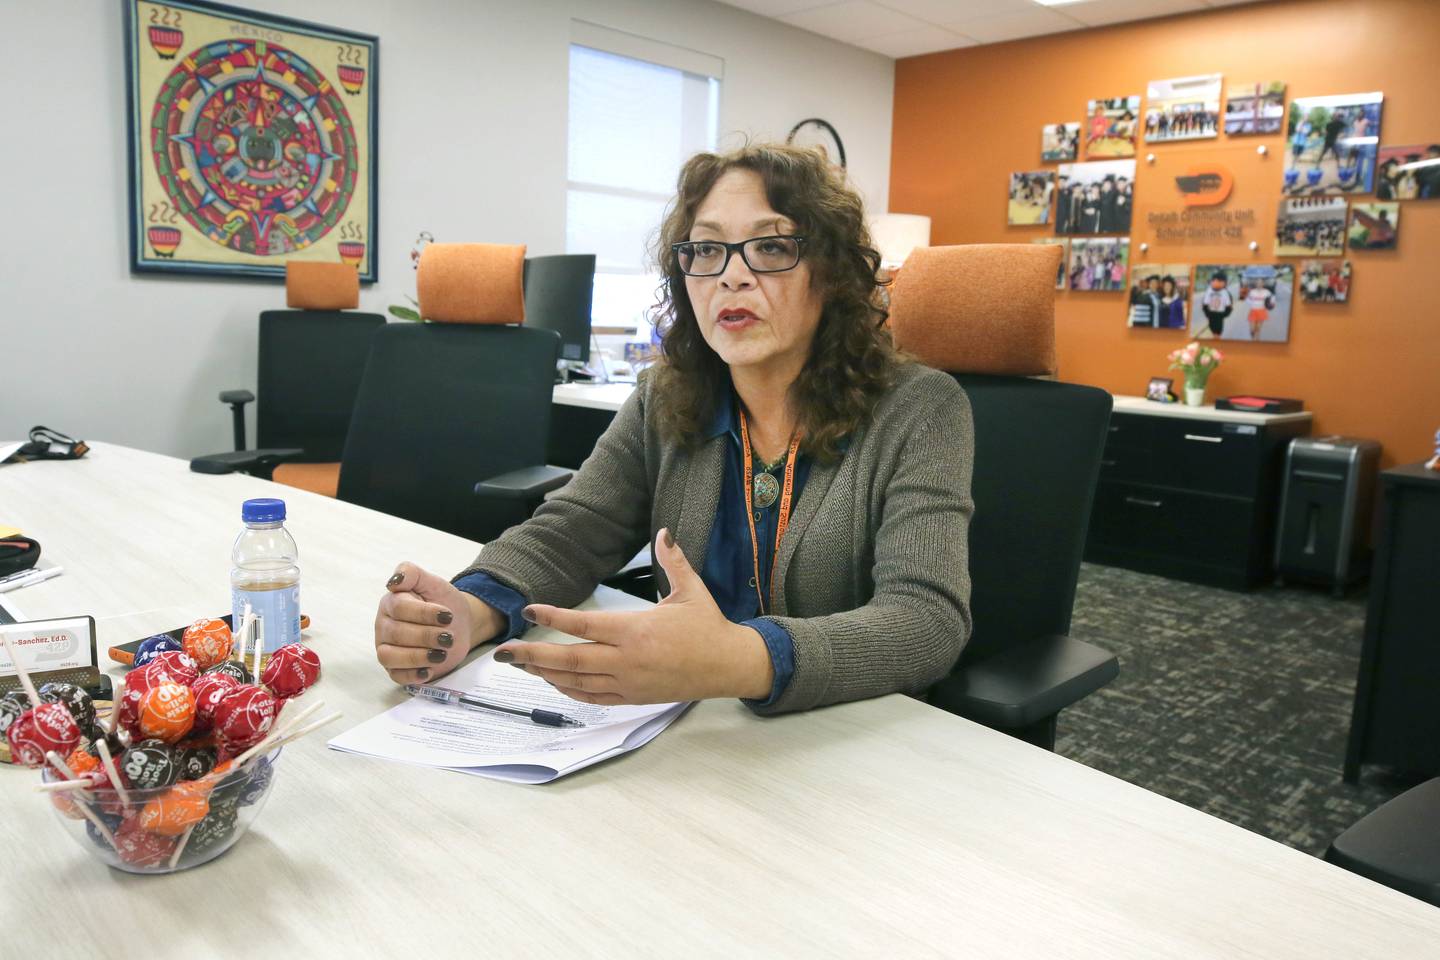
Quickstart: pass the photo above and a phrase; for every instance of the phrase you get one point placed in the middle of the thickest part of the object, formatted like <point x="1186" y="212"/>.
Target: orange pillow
<point x="317" y="285"/>
<point x="472" y="283"/>
<point x="979" y="308"/>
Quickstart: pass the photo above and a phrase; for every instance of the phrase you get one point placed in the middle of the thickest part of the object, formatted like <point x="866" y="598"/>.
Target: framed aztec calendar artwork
<point x="253" y="141"/>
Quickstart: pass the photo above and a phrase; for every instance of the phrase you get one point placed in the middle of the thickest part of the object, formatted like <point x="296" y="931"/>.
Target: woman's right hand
<point x="425" y="625"/>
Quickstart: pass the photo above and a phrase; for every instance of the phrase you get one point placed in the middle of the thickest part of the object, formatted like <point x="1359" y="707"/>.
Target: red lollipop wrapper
<point x="209" y="690"/>
<point x="208" y="642"/>
<point x="141" y="848"/>
<point x="41" y="729"/>
<point x="167" y="712"/>
<point x="291" y="671"/>
<point x="244" y="716"/>
<point x="181" y="667"/>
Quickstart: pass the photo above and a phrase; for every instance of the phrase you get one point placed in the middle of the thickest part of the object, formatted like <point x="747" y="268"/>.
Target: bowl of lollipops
<point x="184" y="763"/>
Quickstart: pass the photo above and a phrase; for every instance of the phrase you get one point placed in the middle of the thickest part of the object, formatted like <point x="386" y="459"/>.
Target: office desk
<point x="880" y="828"/>
<point x="580" y="413"/>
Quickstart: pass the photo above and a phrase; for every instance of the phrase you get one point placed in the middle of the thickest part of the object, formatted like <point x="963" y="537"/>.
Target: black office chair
<point x="452" y="416"/>
<point x="1397" y="844"/>
<point x="309" y="366"/>
<point x="559" y="292"/>
<point x="985" y="313"/>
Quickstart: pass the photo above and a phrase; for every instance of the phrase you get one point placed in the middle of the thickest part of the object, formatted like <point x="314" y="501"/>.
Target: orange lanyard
<point x="786" y="492"/>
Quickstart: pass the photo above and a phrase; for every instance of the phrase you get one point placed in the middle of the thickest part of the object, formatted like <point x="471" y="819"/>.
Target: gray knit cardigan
<point x="872" y="579"/>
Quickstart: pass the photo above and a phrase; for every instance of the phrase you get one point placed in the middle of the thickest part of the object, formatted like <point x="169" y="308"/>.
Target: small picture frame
<point x="1159" y="390"/>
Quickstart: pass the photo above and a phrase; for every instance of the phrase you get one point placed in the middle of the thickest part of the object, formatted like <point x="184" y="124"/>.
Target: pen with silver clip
<point x="441" y="695"/>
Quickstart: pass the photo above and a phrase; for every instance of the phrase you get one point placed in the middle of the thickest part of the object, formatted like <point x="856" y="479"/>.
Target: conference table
<point x="879" y="828"/>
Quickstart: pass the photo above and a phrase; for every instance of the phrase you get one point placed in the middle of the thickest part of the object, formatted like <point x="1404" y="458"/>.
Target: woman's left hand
<point x="681" y="649"/>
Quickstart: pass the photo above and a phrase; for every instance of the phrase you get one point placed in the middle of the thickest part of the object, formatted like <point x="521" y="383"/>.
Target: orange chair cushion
<point x="314" y="285"/>
<point x="472" y="283"/>
<point x="979" y="308"/>
<point x="321" y="478"/>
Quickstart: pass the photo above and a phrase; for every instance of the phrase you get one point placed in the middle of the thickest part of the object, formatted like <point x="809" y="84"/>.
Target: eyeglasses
<point x="709" y="258"/>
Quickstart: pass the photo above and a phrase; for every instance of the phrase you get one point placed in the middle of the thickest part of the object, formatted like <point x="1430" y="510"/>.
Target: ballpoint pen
<point x="29" y="577"/>
<point x="441" y="695"/>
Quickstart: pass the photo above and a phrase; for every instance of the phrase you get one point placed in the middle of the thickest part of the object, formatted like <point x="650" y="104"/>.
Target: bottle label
<point x="277" y="609"/>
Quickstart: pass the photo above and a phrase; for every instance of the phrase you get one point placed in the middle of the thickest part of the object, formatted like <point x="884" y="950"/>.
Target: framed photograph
<point x="1099" y="265"/>
<point x="1374" y="226"/>
<point x="1159" y="296"/>
<point x="1160" y="390"/>
<point x="252" y="141"/>
<point x="1247" y="301"/>
<point x="1409" y="173"/>
<point x="1325" y="281"/>
<point x="1255" y="108"/>
<point x="1110" y="127"/>
<point x="1064" y="256"/>
<point x="1030" y="194"/>
<point x="1060" y="141"/>
<point x="1185" y="108"/>
<point x="1332" y="142"/>
<point x="1310" y="226"/>
<point x="1095" y="197"/>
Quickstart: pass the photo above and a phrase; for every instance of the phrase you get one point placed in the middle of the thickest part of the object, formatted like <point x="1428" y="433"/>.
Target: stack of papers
<point x="503" y="746"/>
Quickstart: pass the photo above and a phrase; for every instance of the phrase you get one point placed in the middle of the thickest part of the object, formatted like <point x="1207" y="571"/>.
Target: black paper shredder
<point x="1326" y="504"/>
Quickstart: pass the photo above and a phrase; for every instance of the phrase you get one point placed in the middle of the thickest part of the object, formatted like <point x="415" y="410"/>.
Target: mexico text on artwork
<point x="248" y="153"/>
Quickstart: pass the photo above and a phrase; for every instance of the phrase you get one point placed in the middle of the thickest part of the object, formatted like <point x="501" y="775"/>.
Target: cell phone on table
<point x="125" y="653"/>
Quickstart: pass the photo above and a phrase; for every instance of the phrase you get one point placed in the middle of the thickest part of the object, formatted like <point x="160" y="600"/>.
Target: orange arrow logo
<point x="1205" y="186"/>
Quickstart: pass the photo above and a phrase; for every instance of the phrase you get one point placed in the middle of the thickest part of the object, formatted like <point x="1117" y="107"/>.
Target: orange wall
<point x="965" y="119"/>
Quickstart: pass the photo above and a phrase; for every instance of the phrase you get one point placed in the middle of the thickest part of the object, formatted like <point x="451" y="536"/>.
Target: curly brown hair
<point x="852" y="359"/>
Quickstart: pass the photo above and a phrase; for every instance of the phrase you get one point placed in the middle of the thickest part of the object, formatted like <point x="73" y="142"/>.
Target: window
<point x="633" y="122"/>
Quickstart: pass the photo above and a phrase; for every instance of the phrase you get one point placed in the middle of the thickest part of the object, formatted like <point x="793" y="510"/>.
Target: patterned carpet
<point x="1237" y="704"/>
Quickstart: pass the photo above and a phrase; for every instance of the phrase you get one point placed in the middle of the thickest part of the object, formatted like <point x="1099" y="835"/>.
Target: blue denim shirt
<point x="729" y="563"/>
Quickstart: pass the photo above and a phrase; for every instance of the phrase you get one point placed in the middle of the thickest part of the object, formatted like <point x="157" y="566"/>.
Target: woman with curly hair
<point x="806" y="489"/>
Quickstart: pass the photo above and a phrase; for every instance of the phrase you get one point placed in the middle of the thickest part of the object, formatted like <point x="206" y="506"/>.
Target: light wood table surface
<point x="883" y="828"/>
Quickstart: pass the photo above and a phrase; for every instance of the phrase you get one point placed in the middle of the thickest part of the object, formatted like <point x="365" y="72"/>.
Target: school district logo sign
<point x="1205" y="186"/>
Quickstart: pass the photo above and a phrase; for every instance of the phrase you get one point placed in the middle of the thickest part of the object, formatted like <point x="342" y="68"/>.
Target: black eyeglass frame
<point x="739" y="247"/>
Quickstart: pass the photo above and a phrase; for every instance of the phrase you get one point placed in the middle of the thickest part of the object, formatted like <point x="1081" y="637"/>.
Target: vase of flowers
<point x="1196" y="362"/>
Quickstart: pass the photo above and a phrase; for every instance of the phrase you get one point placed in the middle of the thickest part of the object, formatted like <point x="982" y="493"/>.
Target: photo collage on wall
<point x="1331" y="151"/>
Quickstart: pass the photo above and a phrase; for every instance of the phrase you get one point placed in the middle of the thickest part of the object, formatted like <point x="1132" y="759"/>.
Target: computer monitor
<point x="558" y="294"/>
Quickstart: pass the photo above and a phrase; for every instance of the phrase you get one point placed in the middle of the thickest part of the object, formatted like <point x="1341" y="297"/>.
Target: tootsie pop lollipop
<point x="140" y="847"/>
<point x="41" y="729"/>
<point x="150" y="765"/>
<point x="12" y="705"/>
<point x="151" y="646"/>
<point x="292" y="670"/>
<point x="244" y="716"/>
<point x="208" y="691"/>
<point x="167" y="712"/>
<point x="181" y="667"/>
<point x="208" y="642"/>
<point x="74" y="699"/>
<point x="232" y="668"/>
<point x="177" y="809"/>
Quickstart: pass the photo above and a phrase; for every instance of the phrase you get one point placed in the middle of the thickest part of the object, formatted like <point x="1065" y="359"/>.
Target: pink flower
<point x="1218" y="355"/>
<point x="1188" y="356"/>
<point x="1204" y="359"/>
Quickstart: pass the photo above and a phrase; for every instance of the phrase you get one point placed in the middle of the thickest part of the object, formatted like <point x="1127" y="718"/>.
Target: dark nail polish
<point x="444" y="617"/>
<point x="423" y="673"/>
<point x="395" y="580"/>
<point x="436" y="656"/>
<point x="504" y="656"/>
<point x="445" y="640"/>
<point x="529" y="614"/>
<point x="669" y="539"/>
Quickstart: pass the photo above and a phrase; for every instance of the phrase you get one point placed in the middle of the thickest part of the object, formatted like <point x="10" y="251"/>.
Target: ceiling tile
<point x="910" y="43"/>
<point x="853" y="21"/>
<point x="944" y="11"/>
<point x="1097" y="13"/>
<point x="775" y="8"/>
<point x="1030" y="23"/>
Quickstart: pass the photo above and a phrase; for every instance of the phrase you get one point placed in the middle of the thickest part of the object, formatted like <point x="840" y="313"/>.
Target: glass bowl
<point x="228" y="811"/>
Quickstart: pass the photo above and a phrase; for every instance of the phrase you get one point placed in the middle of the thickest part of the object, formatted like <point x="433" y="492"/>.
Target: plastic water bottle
<point x="265" y="573"/>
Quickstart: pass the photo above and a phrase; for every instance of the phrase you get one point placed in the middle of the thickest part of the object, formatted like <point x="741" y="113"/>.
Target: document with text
<point x="505" y="746"/>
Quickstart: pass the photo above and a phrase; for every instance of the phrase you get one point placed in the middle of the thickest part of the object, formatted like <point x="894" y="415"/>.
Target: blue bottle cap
<point x="265" y="510"/>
